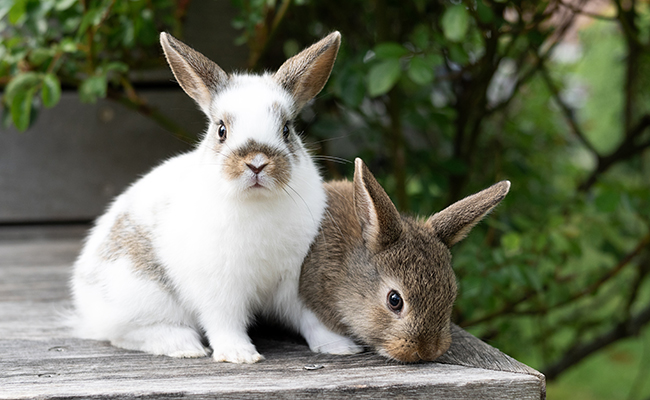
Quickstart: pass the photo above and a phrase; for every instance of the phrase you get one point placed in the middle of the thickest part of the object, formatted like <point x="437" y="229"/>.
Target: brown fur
<point x="305" y="74"/>
<point x="128" y="239"/>
<point x="199" y="77"/>
<point x="278" y="168"/>
<point x="349" y="272"/>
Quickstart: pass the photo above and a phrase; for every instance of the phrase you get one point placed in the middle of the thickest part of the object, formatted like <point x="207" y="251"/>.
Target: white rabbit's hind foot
<point x="168" y="340"/>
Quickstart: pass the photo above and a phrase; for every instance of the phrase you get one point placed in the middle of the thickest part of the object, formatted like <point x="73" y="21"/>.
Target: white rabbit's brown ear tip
<point x="305" y="74"/>
<point x="358" y="164"/>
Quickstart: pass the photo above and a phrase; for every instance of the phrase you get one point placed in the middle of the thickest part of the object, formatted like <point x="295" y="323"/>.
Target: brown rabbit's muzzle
<point x="258" y="165"/>
<point x="414" y="350"/>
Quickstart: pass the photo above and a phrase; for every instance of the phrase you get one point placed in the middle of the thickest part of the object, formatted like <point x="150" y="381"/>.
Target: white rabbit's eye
<point x="285" y="131"/>
<point x="394" y="301"/>
<point x="222" y="131"/>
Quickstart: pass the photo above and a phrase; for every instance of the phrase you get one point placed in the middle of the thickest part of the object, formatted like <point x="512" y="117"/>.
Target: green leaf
<point x="40" y="55"/>
<point x="511" y="242"/>
<point x="91" y="18"/>
<point x="21" y="108"/>
<point x="62" y="5"/>
<point x="51" y="93"/>
<point x="414" y="187"/>
<point x="17" y="11"/>
<point x="484" y="12"/>
<point x="607" y="201"/>
<point x="116" y="66"/>
<point x="458" y="54"/>
<point x="383" y="76"/>
<point x="534" y="279"/>
<point x="455" y="22"/>
<point x="390" y="50"/>
<point x="420" y="72"/>
<point x="68" y="45"/>
<point x="21" y="83"/>
<point x="420" y="37"/>
<point x="93" y="88"/>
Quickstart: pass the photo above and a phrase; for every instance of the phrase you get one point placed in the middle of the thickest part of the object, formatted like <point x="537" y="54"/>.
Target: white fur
<point x="229" y="250"/>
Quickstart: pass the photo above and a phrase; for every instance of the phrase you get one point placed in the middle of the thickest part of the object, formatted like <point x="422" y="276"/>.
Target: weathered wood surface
<point x="40" y="359"/>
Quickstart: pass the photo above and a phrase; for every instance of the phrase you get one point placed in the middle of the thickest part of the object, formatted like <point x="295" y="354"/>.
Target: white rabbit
<point x="207" y="240"/>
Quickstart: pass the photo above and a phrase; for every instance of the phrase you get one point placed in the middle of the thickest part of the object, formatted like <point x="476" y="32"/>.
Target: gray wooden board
<point x="40" y="359"/>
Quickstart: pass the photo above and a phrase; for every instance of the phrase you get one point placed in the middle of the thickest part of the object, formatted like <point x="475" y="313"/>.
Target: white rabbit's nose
<point x="257" y="169"/>
<point x="258" y="163"/>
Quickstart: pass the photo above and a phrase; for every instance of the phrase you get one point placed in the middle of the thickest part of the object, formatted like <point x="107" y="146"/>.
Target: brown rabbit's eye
<point x="394" y="301"/>
<point x="222" y="131"/>
<point x="285" y="131"/>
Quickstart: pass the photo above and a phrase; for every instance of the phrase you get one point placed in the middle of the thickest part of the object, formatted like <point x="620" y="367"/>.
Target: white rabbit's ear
<point x="199" y="77"/>
<point x="454" y="222"/>
<point x="380" y="221"/>
<point x="305" y="74"/>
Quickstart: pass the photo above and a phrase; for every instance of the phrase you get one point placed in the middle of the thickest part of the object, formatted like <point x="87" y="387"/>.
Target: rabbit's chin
<point x="251" y="188"/>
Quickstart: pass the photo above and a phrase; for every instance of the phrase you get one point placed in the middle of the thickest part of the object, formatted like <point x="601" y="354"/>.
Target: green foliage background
<point x="441" y="99"/>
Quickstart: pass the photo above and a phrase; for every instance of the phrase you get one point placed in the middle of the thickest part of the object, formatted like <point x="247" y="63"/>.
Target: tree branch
<point x="510" y="307"/>
<point x="629" y="327"/>
<point x="587" y="13"/>
<point x="569" y="113"/>
<point x="628" y="148"/>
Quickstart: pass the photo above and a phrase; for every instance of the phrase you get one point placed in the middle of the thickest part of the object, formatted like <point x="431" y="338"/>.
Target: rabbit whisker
<point x="330" y="139"/>
<point x="333" y="159"/>
<point x="302" y="199"/>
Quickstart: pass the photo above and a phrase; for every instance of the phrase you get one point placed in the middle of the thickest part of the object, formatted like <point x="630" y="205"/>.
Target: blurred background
<point x="440" y="98"/>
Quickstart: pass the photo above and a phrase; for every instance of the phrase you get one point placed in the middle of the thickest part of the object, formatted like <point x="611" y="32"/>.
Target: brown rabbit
<point x="383" y="278"/>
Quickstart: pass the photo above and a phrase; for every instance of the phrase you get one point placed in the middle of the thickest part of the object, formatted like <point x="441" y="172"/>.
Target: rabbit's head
<point x="250" y="135"/>
<point x="402" y="287"/>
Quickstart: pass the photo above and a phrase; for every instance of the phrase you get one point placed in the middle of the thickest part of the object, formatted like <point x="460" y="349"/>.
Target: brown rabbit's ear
<point x="199" y="77"/>
<point x="380" y="222"/>
<point x="454" y="222"/>
<point x="305" y="74"/>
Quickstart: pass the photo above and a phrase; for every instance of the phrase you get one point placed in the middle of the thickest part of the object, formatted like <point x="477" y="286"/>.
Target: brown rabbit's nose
<point x="430" y="354"/>
<point x="431" y="351"/>
<point x="256" y="169"/>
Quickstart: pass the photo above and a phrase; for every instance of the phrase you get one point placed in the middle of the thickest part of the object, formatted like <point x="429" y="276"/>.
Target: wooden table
<point x="40" y="359"/>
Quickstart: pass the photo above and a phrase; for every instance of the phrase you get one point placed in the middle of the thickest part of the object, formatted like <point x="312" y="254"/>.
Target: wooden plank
<point x="40" y="359"/>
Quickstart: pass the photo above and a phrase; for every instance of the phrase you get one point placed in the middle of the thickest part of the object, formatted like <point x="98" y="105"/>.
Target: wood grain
<point x="40" y="359"/>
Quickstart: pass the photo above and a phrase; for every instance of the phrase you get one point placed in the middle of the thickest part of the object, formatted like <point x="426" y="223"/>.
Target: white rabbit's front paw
<point x="240" y="353"/>
<point x="190" y="353"/>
